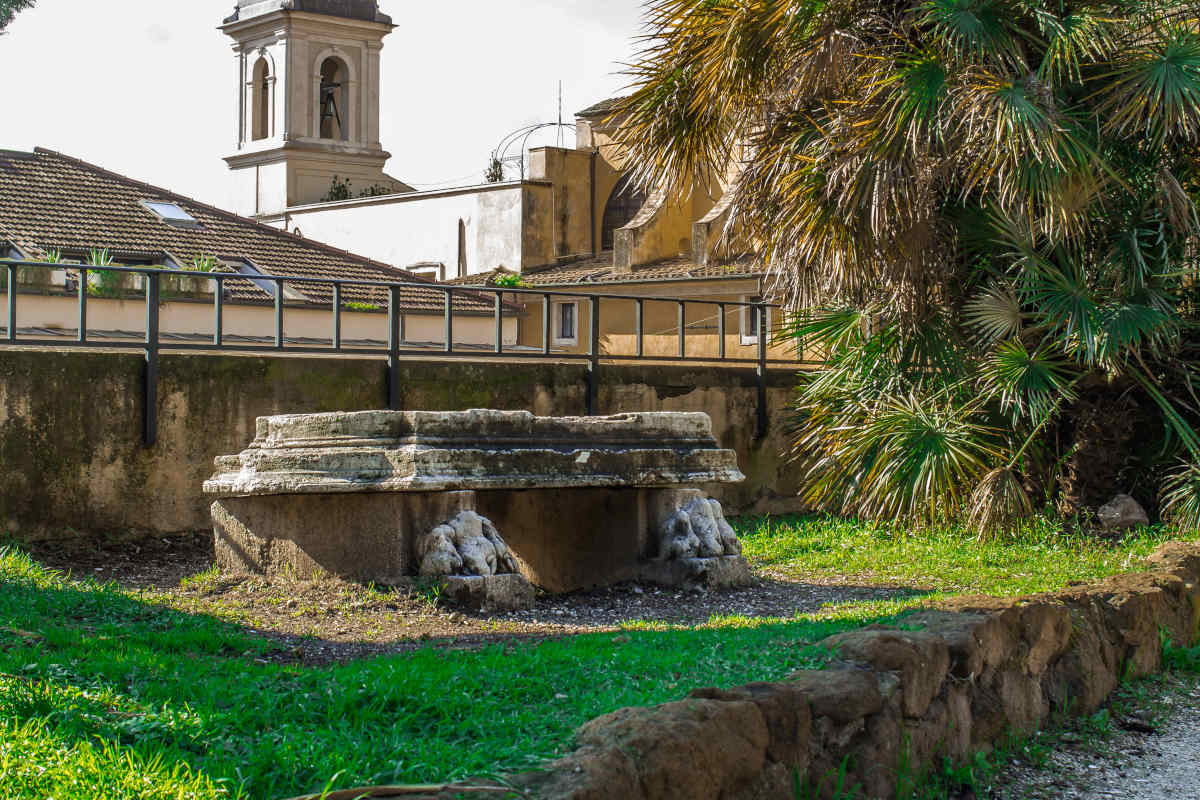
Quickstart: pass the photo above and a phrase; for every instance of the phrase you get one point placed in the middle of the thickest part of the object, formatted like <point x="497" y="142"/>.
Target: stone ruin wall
<point x="72" y="462"/>
<point x="892" y="703"/>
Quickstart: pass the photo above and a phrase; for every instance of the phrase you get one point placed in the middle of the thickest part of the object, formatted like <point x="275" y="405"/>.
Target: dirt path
<point x="1135" y="764"/>
<point x="332" y="620"/>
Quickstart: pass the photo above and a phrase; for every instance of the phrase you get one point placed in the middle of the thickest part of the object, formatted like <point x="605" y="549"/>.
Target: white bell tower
<point x="307" y="102"/>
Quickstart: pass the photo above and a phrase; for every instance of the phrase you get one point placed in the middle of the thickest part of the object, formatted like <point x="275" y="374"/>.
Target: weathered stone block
<point x="842" y="695"/>
<point x="488" y="594"/>
<point x="693" y="748"/>
<point x="923" y="659"/>
<point x="787" y="713"/>
<point x="581" y="502"/>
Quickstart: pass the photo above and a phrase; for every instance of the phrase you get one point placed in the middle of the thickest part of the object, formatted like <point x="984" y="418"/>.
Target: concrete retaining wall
<point x="72" y="462"/>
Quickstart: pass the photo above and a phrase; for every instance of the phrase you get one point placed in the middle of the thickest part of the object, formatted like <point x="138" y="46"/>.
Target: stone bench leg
<point x="691" y="542"/>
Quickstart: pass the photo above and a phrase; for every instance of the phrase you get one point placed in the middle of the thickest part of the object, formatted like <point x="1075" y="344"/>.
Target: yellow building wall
<point x="618" y="321"/>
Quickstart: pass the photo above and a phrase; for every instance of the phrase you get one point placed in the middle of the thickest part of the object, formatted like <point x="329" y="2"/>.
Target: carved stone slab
<point x="419" y="451"/>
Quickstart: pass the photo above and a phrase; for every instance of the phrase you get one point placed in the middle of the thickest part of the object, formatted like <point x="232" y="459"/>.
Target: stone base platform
<point x="488" y="502"/>
<point x="722" y="572"/>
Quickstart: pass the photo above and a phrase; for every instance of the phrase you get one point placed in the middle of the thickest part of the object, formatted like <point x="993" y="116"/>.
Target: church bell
<point x="329" y="108"/>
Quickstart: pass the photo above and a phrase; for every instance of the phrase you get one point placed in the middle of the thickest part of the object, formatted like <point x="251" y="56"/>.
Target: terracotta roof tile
<point x="599" y="270"/>
<point x="51" y="201"/>
<point x="601" y="109"/>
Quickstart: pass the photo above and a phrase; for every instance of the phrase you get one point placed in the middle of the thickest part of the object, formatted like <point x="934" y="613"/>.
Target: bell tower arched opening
<point x="334" y="100"/>
<point x="263" y="88"/>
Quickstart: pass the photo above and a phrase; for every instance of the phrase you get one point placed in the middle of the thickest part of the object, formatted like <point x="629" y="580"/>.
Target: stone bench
<point x="482" y="501"/>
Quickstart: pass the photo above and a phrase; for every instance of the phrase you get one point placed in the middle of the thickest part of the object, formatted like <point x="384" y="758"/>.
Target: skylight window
<point x="171" y="214"/>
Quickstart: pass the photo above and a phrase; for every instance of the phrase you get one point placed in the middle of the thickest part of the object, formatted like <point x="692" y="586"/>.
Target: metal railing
<point x="395" y="349"/>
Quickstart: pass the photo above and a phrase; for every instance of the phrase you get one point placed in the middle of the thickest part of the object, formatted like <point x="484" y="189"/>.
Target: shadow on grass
<point x="86" y="663"/>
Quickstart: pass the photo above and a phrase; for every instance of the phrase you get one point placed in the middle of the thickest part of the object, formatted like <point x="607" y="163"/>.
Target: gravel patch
<point x="333" y="620"/>
<point x="1154" y="755"/>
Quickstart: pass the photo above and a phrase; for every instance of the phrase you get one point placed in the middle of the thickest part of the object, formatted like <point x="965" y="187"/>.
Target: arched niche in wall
<point x="262" y="82"/>
<point x="623" y="205"/>
<point x="335" y="109"/>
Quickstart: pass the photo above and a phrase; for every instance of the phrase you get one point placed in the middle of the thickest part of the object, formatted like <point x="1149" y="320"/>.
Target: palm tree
<point x="977" y="209"/>
<point x="9" y="9"/>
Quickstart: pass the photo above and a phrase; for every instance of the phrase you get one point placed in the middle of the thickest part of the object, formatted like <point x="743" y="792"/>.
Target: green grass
<point x="108" y="690"/>
<point x="942" y="560"/>
<point x="99" y="686"/>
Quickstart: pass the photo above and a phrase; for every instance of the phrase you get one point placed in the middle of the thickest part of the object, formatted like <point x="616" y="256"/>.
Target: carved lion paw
<point x="699" y="530"/>
<point x="466" y="545"/>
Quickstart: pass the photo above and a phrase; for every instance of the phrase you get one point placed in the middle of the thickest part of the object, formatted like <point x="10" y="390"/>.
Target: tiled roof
<point x="599" y="270"/>
<point x="482" y="278"/>
<point x="49" y="201"/>
<point x="601" y="109"/>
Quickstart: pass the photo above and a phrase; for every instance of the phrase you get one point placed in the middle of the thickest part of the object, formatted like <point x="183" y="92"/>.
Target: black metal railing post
<point x="279" y="314"/>
<point x="640" y="313"/>
<point x="395" y="335"/>
<point x="593" y="375"/>
<point x="682" y="330"/>
<point x="218" y="312"/>
<point x="763" y="420"/>
<point x="546" y="325"/>
<point x="150" y="384"/>
<point x="498" y="301"/>
<point x="12" y="303"/>
<point x="337" y="317"/>
<point x="449" y="321"/>
<point x="82" y="328"/>
<point x="721" y="354"/>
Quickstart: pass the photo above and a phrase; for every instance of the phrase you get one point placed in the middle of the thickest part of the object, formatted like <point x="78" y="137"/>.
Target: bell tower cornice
<point x="363" y="10"/>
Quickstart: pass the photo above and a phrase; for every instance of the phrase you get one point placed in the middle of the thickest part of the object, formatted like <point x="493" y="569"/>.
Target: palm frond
<point x="1181" y="496"/>
<point x="1154" y="89"/>
<point x="975" y="29"/>
<point x="995" y="314"/>
<point x="1073" y="40"/>
<point x="999" y="502"/>
<point x="1032" y="384"/>
<point x="1127" y="327"/>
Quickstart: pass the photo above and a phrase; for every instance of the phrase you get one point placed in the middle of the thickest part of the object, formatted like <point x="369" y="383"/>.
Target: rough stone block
<point x="923" y="660"/>
<point x="712" y="573"/>
<point x="842" y="695"/>
<point x="493" y="593"/>
<point x="787" y="713"/>
<point x="693" y="748"/>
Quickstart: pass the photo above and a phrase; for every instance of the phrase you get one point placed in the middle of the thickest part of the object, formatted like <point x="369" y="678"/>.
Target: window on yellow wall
<point x="750" y="321"/>
<point x="566" y="323"/>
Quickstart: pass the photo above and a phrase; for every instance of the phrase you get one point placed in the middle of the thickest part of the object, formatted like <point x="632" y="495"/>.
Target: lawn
<point x="106" y="693"/>
<point x="941" y="560"/>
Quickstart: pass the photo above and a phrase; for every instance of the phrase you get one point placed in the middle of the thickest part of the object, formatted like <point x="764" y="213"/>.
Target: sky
<point x="147" y="87"/>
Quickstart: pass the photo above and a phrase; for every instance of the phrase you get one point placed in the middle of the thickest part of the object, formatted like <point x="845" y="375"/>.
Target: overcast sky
<point x="146" y="87"/>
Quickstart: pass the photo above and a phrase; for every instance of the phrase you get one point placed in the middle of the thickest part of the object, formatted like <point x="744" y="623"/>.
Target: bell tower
<point x="307" y="99"/>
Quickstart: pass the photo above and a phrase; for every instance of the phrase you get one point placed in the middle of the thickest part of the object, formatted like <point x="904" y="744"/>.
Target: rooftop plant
<point x="508" y="281"/>
<point x="204" y="263"/>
